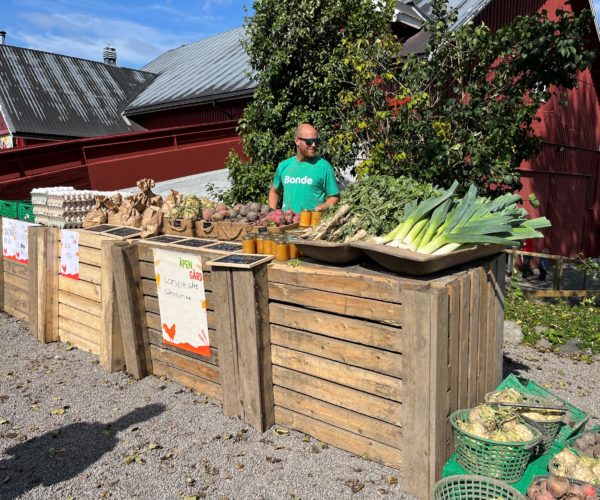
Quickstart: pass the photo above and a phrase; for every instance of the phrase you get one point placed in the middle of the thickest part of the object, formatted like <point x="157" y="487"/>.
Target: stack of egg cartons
<point x="63" y="207"/>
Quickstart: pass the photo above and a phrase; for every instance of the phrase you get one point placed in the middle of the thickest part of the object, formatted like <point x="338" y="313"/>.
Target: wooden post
<point x="130" y="305"/>
<point x="425" y="372"/>
<point x="112" y="357"/>
<point x="558" y="275"/>
<point x="242" y="309"/>
<point x="43" y="283"/>
<point x="33" y="279"/>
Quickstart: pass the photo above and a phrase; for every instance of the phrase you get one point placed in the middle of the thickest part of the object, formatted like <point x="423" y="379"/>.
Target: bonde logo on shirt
<point x="297" y="180"/>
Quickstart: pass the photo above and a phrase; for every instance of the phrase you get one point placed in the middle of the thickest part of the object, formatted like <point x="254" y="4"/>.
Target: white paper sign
<point x="15" y="245"/>
<point x="182" y="300"/>
<point x="69" y="254"/>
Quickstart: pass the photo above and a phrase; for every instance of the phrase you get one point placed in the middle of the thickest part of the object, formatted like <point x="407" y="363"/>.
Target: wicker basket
<point x="504" y="461"/>
<point x="473" y="488"/>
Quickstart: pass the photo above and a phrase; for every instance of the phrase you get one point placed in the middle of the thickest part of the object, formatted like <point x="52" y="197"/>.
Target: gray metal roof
<point x="54" y="95"/>
<point x="214" y="67"/>
<point x="411" y="12"/>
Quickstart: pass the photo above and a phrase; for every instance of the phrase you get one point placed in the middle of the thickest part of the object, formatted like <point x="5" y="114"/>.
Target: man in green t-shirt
<point x="306" y="179"/>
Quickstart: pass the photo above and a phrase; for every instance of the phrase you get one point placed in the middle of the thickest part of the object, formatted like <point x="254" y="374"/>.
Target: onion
<point x="557" y="486"/>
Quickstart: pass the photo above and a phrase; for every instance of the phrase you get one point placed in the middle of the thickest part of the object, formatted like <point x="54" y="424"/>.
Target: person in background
<point x="526" y="270"/>
<point x="306" y="180"/>
<point x="543" y="265"/>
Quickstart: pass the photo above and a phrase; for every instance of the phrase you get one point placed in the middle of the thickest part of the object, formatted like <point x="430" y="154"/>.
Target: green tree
<point x="294" y="48"/>
<point x="463" y="110"/>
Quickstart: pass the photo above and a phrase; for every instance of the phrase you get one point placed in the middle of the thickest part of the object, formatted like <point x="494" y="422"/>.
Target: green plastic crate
<point x="25" y="211"/>
<point x="9" y="208"/>
<point x="505" y="461"/>
<point x="527" y="386"/>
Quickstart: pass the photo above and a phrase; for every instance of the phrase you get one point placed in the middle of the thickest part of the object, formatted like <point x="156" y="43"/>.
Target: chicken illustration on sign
<point x="182" y="300"/>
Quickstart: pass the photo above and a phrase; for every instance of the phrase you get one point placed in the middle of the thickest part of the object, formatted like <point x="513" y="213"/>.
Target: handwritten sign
<point x="69" y="254"/>
<point x="182" y="300"/>
<point x="15" y="245"/>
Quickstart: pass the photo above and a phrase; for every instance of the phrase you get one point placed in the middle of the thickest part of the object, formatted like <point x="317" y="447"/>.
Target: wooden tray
<point x="417" y="264"/>
<point x="326" y="251"/>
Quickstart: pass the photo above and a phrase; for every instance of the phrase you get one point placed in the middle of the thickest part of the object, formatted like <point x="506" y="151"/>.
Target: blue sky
<point x="140" y="30"/>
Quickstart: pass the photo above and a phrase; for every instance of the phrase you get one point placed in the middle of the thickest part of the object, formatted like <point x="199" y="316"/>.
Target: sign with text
<point x="69" y="254"/>
<point x="182" y="300"/>
<point x="15" y="245"/>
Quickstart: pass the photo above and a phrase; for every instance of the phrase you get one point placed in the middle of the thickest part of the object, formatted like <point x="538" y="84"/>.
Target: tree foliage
<point x="294" y="47"/>
<point x="464" y="110"/>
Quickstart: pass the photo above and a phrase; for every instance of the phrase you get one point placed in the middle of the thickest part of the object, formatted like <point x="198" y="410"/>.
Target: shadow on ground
<point x="63" y="453"/>
<point x="511" y="366"/>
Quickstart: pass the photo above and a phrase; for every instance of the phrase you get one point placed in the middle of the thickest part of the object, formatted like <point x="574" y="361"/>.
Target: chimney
<point x="110" y="56"/>
<point x="2" y="37"/>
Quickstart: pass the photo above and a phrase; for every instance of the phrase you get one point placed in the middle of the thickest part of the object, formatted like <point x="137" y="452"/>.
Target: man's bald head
<point x="306" y="139"/>
<point x="305" y="130"/>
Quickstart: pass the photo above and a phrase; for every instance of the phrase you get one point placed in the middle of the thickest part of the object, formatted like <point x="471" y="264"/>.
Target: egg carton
<point x="39" y="196"/>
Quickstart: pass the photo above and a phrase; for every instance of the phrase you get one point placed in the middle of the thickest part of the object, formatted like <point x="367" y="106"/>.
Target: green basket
<point x="529" y="387"/>
<point x="473" y="488"/>
<point x="9" y="208"/>
<point x="25" y="211"/>
<point x="504" y="461"/>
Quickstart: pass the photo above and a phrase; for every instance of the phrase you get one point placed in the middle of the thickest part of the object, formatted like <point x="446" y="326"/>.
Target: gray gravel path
<point x="68" y="429"/>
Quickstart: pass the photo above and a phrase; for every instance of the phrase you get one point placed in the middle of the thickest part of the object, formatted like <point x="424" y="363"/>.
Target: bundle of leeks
<point x="441" y="224"/>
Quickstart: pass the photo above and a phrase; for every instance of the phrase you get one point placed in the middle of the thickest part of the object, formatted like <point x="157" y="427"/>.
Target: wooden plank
<point x="349" y="420"/>
<point x="149" y="287"/>
<point x="347" y="305"/>
<point x="112" y="352"/>
<point x="339" y="327"/>
<point x="89" y="273"/>
<point x="197" y="383"/>
<point x="80" y="316"/>
<point x="463" y="356"/>
<point x="91" y="256"/>
<point x="77" y="341"/>
<point x="473" y="339"/>
<point x="351" y="399"/>
<point x="416" y="405"/>
<point x="155" y="338"/>
<point x="339" y="280"/>
<point x="20" y="270"/>
<point x="561" y="293"/>
<point x="17" y="282"/>
<point x="91" y="239"/>
<point x="226" y="326"/>
<point x="337" y="350"/>
<point x="340" y="438"/>
<point x="82" y="288"/>
<point x="126" y="273"/>
<point x="185" y="363"/>
<point x="52" y="292"/>
<point x="16" y="307"/>
<point x="36" y="246"/>
<point x="18" y="293"/>
<point x="81" y="303"/>
<point x="153" y="320"/>
<point x="350" y="376"/>
<point x="483" y="365"/>
<point x="252" y="329"/>
<point x="453" y="355"/>
<point x="79" y="329"/>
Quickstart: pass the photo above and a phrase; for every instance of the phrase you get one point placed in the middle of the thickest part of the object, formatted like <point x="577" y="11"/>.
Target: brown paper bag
<point x="151" y="222"/>
<point x="94" y="218"/>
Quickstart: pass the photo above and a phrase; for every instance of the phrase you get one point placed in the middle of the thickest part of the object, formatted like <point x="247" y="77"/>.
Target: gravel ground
<point x="68" y="429"/>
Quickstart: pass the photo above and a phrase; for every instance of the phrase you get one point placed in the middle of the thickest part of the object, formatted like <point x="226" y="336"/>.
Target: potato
<point x="218" y="217"/>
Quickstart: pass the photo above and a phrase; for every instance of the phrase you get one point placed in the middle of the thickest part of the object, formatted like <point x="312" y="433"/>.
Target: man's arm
<point x="329" y="202"/>
<point x="273" y="198"/>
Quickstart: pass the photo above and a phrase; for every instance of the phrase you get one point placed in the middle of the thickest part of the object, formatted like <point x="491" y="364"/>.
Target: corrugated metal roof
<point x="55" y="95"/>
<point x="198" y="72"/>
<point x="467" y="10"/>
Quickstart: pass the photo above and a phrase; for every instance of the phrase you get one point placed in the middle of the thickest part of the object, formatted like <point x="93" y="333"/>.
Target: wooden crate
<point x="374" y="363"/>
<point x="14" y="287"/>
<point x="197" y="372"/>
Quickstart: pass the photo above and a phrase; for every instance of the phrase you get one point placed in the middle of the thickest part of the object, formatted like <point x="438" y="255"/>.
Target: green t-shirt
<point x="306" y="184"/>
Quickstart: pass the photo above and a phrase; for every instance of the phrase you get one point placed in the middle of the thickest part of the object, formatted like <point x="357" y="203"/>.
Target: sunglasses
<point x="309" y="142"/>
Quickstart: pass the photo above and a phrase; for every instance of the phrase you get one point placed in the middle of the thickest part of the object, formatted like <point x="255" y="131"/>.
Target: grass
<point x="562" y="320"/>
